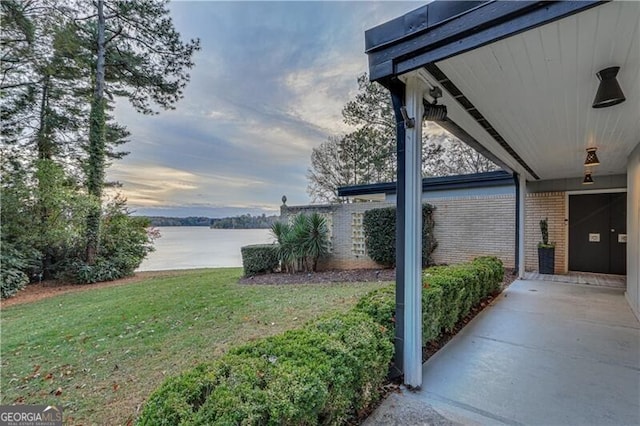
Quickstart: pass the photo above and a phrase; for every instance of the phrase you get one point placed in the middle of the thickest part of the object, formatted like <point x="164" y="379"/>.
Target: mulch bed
<point x="334" y="276"/>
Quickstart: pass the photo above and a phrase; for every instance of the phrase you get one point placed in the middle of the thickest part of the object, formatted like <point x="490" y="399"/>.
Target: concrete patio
<point x="544" y="353"/>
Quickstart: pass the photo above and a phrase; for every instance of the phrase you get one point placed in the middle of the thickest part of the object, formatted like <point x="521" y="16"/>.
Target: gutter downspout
<point x="397" y="89"/>
<point x="516" y="181"/>
<point x="521" y="214"/>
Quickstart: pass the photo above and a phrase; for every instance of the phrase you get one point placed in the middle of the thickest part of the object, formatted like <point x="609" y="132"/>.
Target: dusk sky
<point x="269" y="85"/>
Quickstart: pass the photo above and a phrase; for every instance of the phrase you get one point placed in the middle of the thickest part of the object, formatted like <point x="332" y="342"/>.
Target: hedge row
<point x="322" y="374"/>
<point x="259" y="259"/>
<point x="448" y="294"/>
<point x="380" y="235"/>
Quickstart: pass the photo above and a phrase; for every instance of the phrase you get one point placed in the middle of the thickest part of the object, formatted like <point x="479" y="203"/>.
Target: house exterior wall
<point x="468" y="227"/>
<point x="551" y="205"/>
<point x="484" y="224"/>
<point x="346" y="233"/>
<point x="633" y="231"/>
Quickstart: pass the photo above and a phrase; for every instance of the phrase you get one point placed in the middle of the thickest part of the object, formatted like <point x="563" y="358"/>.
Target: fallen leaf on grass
<point x="35" y="370"/>
<point x="116" y="387"/>
<point x="49" y="376"/>
<point x="57" y="392"/>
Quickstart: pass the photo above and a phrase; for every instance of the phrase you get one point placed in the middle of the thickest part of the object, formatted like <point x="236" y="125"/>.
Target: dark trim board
<point x="441" y="30"/>
<point x="398" y="92"/>
<point x="441" y="183"/>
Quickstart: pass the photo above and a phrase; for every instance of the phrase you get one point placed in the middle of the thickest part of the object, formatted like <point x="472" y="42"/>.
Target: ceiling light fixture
<point x="588" y="179"/>
<point x="609" y="92"/>
<point x="433" y="111"/>
<point x="592" y="157"/>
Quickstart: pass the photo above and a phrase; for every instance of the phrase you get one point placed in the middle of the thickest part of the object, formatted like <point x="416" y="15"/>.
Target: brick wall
<point x="551" y="205"/>
<point x="475" y="226"/>
<point x="466" y="227"/>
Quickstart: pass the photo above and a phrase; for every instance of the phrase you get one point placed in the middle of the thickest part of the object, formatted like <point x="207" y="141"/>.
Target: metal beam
<point x="415" y="89"/>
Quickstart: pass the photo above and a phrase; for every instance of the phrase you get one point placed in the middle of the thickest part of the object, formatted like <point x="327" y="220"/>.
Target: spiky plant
<point x="281" y="231"/>
<point x="316" y="239"/>
<point x="301" y="243"/>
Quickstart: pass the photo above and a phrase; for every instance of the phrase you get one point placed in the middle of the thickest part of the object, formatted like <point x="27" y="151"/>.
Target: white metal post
<point x="415" y="90"/>
<point x="522" y="183"/>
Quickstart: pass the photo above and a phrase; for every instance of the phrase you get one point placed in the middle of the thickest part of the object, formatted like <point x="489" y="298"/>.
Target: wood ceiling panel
<point x="536" y="88"/>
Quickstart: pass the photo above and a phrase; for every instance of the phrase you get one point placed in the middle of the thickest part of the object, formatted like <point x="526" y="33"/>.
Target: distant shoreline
<point x="238" y="222"/>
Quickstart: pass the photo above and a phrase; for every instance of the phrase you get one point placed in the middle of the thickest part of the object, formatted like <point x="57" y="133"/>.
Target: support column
<point x="413" y="236"/>
<point x="522" y="194"/>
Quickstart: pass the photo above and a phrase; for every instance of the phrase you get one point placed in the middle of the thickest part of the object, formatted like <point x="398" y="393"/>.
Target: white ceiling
<point x="536" y="89"/>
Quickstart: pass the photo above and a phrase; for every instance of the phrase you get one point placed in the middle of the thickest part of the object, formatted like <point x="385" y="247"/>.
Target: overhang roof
<point x="440" y="183"/>
<point x="519" y="77"/>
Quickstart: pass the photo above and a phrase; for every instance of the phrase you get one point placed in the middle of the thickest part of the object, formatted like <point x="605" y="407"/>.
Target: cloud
<point x="268" y="86"/>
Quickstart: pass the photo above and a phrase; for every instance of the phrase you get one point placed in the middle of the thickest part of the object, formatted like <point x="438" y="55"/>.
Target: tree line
<point x="368" y="153"/>
<point x="245" y="221"/>
<point x="63" y="65"/>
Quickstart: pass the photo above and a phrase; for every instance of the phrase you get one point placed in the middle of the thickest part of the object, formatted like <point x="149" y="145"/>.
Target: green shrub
<point x="380" y="235"/>
<point x="12" y="277"/>
<point x="381" y="305"/>
<point x="125" y="241"/>
<point x="431" y="314"/>
<point x="449" y="292"/>
<point x="301" y="243"/>
<point x="322" y="374"/>
<point x="325" y="373"/>
<point x="464" y="286"/>
<point x="494" y="270"/>
<point x="259" y="259"/>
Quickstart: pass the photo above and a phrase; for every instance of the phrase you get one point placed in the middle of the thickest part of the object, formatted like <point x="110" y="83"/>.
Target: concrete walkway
<point x="544" y="353"/>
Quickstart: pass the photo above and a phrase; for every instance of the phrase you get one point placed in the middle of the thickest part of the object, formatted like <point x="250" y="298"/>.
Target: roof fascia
<point x="440" y="183"/>
<point x="477" y="27"/>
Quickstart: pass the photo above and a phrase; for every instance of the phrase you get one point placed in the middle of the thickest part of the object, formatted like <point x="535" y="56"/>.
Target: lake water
<point x="189" y="247"/>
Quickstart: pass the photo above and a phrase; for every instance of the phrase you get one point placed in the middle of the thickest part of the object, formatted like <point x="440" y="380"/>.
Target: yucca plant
<point x="315" y="239"/>
<point x="302" y="243"/>
<point x="281" y="231"/>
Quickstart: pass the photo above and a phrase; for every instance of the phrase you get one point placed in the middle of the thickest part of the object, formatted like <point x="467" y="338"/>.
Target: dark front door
<point x="597" y="230"/>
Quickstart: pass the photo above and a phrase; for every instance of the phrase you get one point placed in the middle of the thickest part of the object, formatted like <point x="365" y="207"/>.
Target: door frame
<point x="566" y="219"/>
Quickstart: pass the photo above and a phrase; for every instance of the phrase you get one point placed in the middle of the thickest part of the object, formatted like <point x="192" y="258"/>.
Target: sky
<point x="268" y="86"/>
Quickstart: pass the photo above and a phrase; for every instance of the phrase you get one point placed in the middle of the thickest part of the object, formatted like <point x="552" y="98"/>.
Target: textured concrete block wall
<point x="475" y="226"/>
<point x="551" y="205"/>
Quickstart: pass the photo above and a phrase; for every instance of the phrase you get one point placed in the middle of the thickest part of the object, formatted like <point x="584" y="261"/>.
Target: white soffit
<point x="536" y="89"/>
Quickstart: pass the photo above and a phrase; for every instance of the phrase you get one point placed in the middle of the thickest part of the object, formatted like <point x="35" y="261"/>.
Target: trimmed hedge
<point x="325" y="373"/>
<point x="259" y="259"/>
<point x="449" y="293"/>
<point x="322" y="374"/>
<point x="380" y="235"/>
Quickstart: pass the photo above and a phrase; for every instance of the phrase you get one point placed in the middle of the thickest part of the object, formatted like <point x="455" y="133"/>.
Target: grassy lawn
<point x="100" y="353"/>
